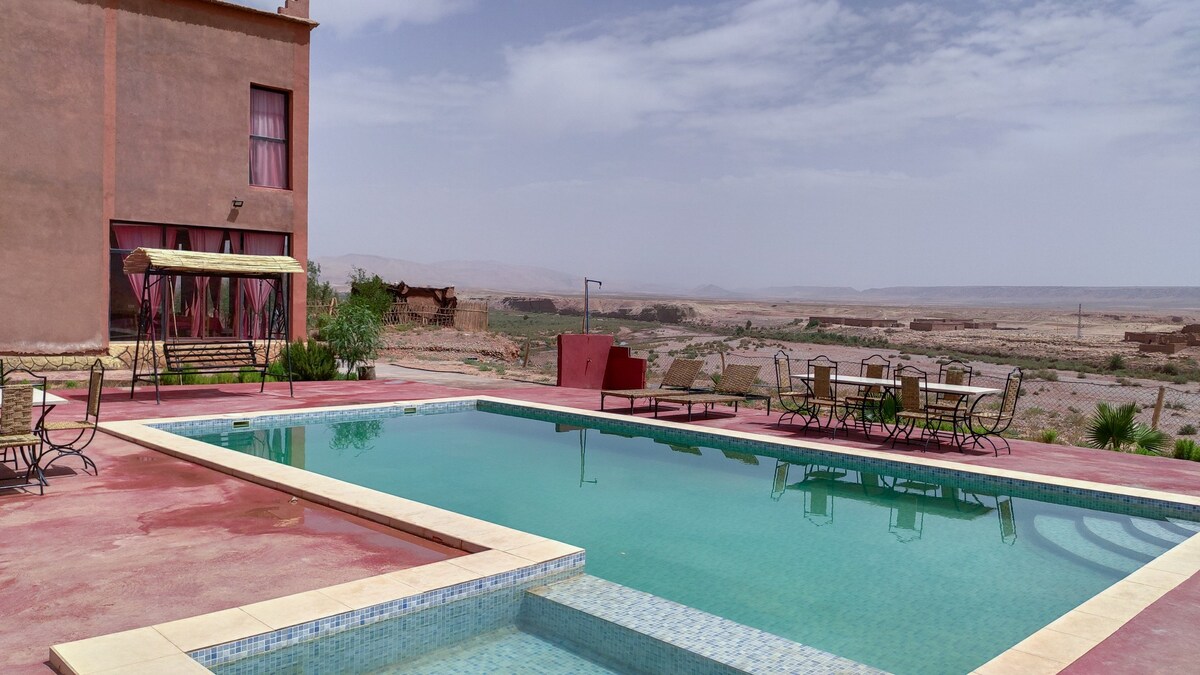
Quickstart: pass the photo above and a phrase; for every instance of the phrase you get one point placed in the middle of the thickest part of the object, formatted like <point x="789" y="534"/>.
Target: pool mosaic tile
<point x="634" y="631"/>
<point x="512" y="582"/>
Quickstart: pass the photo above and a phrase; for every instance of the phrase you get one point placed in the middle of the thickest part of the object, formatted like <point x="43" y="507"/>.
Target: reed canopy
<point x="164" y="261"/>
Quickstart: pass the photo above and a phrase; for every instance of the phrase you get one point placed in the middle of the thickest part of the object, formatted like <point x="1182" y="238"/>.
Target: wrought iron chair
<point x="822" y="391"/>
<point x="911" y="404"/>
<point x="987" y="426"/>
<point x="957" y="373"/>
<point x="18" y="432"/>
<point x="85" y="428"/>
<point x="792" y="400"/>
<point x="866" y="404"/>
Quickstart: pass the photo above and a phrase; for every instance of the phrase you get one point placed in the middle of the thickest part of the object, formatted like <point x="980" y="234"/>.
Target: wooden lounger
<point x="678" y="379"/>
<point x="733" y="388"/>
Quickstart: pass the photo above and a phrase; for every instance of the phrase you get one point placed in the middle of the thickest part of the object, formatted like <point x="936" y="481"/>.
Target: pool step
<point x="632" y="631"/>
<point x="1108" y="544"/>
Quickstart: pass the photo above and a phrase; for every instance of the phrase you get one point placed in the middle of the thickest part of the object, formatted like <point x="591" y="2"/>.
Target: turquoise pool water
<point x="907" y="575"/>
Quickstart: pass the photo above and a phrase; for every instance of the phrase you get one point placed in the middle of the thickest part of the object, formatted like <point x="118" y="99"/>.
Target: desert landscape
<point x="1071" y="360"/>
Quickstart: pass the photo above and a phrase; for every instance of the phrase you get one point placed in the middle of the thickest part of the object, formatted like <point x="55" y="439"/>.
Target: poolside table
<point x="968" y="392"/>
<point x="890" y="383"/>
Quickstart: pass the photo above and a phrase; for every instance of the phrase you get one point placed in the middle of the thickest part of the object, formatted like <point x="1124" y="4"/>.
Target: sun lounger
<point x="678" y="378"/>
<point x="733" y="388"/>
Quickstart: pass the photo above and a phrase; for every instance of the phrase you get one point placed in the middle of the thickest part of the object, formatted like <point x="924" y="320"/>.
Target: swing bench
<point x="190" y="355"/>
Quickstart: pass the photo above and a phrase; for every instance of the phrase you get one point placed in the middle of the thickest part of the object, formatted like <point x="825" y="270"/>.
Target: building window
<point x="268" y="138"/>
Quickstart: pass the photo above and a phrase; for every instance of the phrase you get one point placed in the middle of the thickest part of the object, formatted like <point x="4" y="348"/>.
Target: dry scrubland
<point x="1065" y="376"/>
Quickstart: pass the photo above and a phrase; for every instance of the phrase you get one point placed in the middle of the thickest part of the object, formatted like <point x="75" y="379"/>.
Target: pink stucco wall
<point x="137" y="111"/>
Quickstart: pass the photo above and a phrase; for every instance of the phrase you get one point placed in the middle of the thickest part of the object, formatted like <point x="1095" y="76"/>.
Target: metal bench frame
<point x="206" y="356"/>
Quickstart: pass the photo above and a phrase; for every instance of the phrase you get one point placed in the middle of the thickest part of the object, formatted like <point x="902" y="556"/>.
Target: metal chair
<point x="956" y="373"/>
<point x="790" y="399"/>
<point x="989" y="425"/>
<point x="822" y="391"/>
<point x="85" y="429"/>
<point x="911" y="403"/>
<point x="865" y="405"/>
<point x="18" y="431"/>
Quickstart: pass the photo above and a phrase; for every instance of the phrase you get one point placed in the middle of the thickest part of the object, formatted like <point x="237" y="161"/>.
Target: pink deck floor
<point x="153" y="538"/>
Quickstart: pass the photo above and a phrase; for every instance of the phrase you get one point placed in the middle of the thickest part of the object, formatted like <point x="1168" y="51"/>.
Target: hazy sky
<point x="764" y="142"/>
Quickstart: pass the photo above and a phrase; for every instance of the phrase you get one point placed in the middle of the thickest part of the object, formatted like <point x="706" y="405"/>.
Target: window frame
<point x="286" y="141"/>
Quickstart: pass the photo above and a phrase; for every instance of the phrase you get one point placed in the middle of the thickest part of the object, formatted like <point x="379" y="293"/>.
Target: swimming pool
<point x="869" y="564"/>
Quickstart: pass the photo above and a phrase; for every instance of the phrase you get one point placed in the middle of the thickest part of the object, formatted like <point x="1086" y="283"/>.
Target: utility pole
<point x="1079" y="324"/>
<point x="587" y="318"/>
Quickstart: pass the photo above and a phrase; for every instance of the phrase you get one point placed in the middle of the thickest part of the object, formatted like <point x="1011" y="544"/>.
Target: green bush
<point x="1116" y="362"/>
<point x="1186" y="448"/>
<point x="311" y="361"/>
<point x="1187" y="430"/>
<point x="1117" y="429"/>
<point x="367" y="291"/>
<point x="355" y="335"/>
<point x="1048" y="436"/>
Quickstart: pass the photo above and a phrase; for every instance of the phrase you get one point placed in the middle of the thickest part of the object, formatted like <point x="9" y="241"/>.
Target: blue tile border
<point x="534" y="574"/>
<point x="632" y="630"/>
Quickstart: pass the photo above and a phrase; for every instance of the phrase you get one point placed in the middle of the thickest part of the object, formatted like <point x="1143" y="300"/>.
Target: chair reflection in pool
<point x="817" y="485"/>
<point x="907" y="519"/>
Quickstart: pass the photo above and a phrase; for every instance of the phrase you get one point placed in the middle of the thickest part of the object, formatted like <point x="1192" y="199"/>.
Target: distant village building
<point x="137" y="123"/>
<point x="950" y="324"/>
<point x="855" y="321"/>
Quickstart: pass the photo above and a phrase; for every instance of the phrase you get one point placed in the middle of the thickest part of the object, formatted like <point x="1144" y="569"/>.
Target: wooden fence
<point x="467" y="316"/>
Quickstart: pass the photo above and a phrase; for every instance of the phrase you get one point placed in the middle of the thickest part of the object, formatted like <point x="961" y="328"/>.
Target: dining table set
<point x="31" y="437"/>
<point x="904" y="402"/>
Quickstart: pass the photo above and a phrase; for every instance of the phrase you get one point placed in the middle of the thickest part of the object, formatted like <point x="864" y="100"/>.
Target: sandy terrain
<point x="1059" y="401"/>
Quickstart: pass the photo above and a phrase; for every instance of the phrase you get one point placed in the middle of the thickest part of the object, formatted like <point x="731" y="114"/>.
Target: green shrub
<point x="311" y="361"/>
<point x="1116" y="362"/>
<point x="189" y="376"/>
<point x="1186" y="448"/>
<point x="1117" y="429"/>
<point x="369" y="292"/>
<point x="1048" y="436"/>
<point x="355" y="335"/>
<point x="1187" y="430"/>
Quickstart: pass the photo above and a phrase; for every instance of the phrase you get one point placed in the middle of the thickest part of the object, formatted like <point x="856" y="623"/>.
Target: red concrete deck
<point x="211" y="541"/>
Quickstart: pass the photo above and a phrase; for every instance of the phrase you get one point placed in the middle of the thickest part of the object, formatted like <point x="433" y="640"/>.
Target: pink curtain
<point x="268" y="138"/>
<point x="142" y="236"/>
<point x="207" y="241"/>
<point x="258" y="291"/>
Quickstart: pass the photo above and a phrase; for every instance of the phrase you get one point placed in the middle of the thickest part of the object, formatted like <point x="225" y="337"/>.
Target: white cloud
<point x="1050" y="132"/>
<point x="817" y="72"/>
<point x="351" y="16"/>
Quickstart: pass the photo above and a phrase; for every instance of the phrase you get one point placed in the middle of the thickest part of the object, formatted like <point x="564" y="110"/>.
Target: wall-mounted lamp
<point x="237" y="203"/>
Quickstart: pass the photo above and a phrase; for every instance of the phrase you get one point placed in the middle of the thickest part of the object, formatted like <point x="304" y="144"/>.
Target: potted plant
<point x="355" y="335"/>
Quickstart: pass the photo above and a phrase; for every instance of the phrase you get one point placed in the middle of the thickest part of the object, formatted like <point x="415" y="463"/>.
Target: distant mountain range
<point x="485" y="275"/>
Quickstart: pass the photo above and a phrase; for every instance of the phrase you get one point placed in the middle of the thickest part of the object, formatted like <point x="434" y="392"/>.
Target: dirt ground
<point x="1058" y="401"/>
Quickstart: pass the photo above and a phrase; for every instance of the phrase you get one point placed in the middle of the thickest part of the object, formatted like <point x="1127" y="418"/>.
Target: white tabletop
<point x="888" y="383"/>
<point x="42" y="398"/>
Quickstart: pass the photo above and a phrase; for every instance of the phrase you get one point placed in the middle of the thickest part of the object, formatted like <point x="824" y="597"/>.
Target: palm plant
<point x="1116" y="428"/>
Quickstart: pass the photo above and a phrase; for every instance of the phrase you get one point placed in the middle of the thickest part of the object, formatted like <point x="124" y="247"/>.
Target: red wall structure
<point x="133" y="111"/>
<point x="592" y="362"/>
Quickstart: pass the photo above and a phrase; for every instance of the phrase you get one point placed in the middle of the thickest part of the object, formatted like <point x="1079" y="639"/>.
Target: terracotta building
<point x="159" y="123"/>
